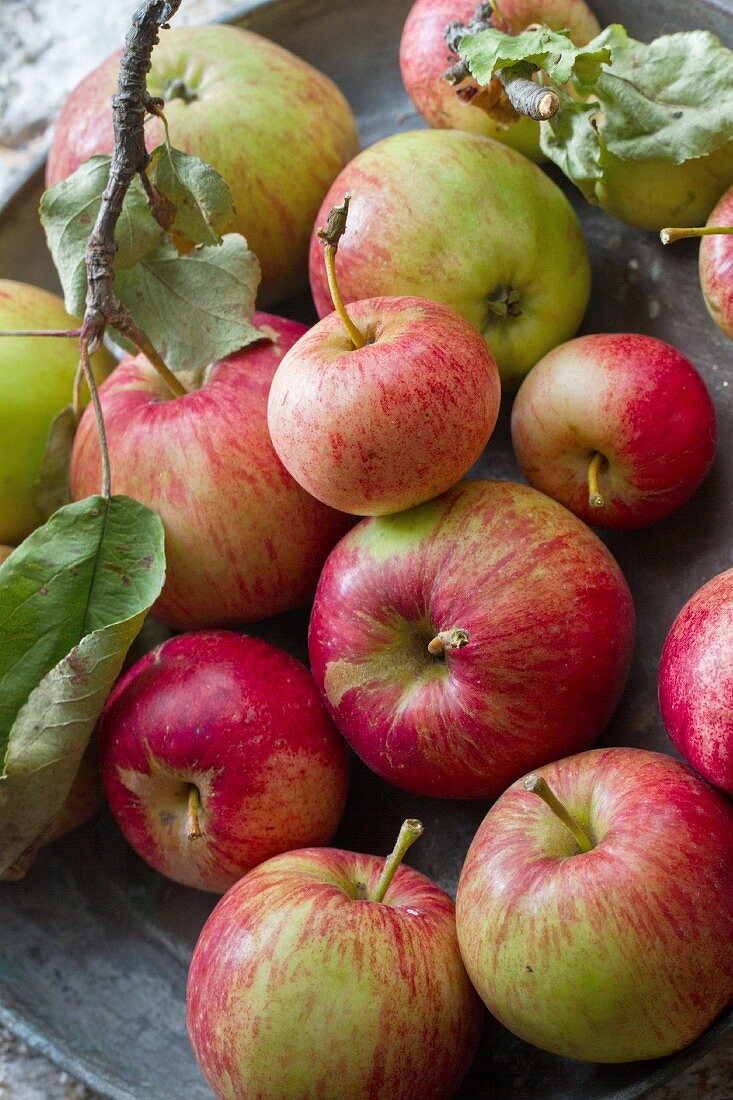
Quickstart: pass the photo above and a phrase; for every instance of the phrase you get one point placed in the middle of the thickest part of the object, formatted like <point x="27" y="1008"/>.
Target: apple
<point x="242" y="104"/>
<point x="328" y="974"/>
<point x="424" y="59"/>
<point x="464" y="641"/>
<point x="696" y="681"/>
<point x="86" y="797"/>
<point x="468" y="222"/>
<point x="36" y="382"/>
<point x="716" y="260"/>
<point x="389" y="424"/>
<point x="600" y="926"/>
<point x="243" y="540"/>
<point x="618" y="427"/>
<point x="217" y="754"/>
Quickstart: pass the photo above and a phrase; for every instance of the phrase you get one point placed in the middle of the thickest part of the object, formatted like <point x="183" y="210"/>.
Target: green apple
<point x="36" y="381"/>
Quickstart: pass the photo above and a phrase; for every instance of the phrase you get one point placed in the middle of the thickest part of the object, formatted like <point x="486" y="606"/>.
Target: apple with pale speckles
<point x="466" y="640"/>
<point x="460" y="219"/>
<point x="424" y="58"/>
<point x="243" y="541"/>
<point x="614" y="941"/>
<point x="376" y="429"/>
<point x="309" y="980"/>
<point x="217" y="753"/>
<point x="619" y="427"/>
<point x="696" y="681"/>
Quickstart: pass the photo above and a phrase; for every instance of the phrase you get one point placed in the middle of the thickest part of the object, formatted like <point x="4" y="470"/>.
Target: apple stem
<point x="595" y="499"/>
<point x="331" y="234"/>
<point x="75" y="332"/>
<point x="194" y="803"/>
<point x="86" y="366"/>
<point x="411" y="830"/>
<point x="448" y="640"/>
<point x="539" y="786"/>
<point x="669" y="236"/>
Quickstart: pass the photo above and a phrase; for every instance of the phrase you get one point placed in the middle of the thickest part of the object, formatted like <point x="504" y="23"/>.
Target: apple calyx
<point x="504" y="303"/>
<point x="595" y="497"/>
<point x="535" y="784"/>
<point x="193" y="824"/>
<point x="447" y="641"/>
<point x="330" y="235"/>
<point x="411" y="830"/>
<point x="669" y="236"/>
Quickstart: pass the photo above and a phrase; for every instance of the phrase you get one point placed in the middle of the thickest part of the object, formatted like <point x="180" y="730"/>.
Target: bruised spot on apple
<point x="546" y="625"/>
<point x="216" y="754"/>
<point x="618" y="427"/>
<point x="619" y="953"/>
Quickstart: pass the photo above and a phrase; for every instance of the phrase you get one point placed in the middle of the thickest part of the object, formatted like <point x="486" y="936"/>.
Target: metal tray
<point x="94" y="946"/>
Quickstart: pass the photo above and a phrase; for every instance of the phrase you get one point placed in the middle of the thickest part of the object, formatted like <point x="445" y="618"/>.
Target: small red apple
<point x="618" y="427"/>
<point x="716" y="260"/>
<point x="696" y="681"/>
<point x="321" y="975"/>
<point x="216" y="754"/>
<point x="603" y="930"/>
<point x="243" y="541"/>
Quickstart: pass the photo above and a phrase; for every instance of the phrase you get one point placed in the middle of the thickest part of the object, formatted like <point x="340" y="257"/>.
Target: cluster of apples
<point x="463" y="633"/>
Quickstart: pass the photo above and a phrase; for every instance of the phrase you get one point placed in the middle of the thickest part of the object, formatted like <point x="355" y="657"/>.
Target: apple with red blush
<point x="596" y="920"/>
<point x="462" y="642"/>
<point x="243" y="541"/>
<point x="618" y="427"/>
<point x="716" y="260"/>
<point x="217" y="753"/>
<point x="324" y="973"/>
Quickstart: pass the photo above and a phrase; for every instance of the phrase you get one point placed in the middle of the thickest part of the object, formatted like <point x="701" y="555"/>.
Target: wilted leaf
<point x="571" y="142"/>
<point x="554" y="53"/>
<point x="199" y="200"/>
<point x="73" y="597"/>
<point x="53" y="488"/>
<point x="68" y="212"/>
<point x="195" y="308"/>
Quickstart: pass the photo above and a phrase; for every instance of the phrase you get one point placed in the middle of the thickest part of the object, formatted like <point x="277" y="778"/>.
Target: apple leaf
<point x="554" y="53"/>
<point x="73" y="597"/>
<point x="53" y="488"/>
<point x="195" y="308"/>
<point x="197" y="201"/>
<point x="68" y="212"/>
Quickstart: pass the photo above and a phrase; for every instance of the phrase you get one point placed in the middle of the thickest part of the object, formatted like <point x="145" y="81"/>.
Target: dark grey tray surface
<point x="95" y="946"/>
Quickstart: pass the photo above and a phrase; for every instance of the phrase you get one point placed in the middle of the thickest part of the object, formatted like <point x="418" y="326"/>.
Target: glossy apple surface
<point x="620" y="953"/>
<point x="696" y="681"/>
<point x="634" y="400"/>
<point x="463" y="220"/>
<point x="716" y="267"/>
<point x="550" y="625"/>
<point x="243" y="541"/>
<point x="381" y="428"/>
<point x="299" y="988"/>
<point x="239" y="720"/>
<point x="424" y="58"/>
<point x="36" y="381"/>
<point x="242" y="104"/>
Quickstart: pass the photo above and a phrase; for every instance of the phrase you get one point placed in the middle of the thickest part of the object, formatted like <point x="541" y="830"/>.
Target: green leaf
<point x="195" y="308"/>
<point x="73" y="597"/>
<point x="68" y="212"/>
<point x="197" y="203"/>
<point x="53" y="488"/>
<point x="554" y="53"/>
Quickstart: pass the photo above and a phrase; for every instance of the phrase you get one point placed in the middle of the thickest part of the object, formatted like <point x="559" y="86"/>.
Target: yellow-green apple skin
<point x="424" y="58"/>
<point x="274" y="127"/>
<point x="620" y="953"/>
<point x="36" y="382"/>
<point x="463" y="220"/>
<point x="298" y="988"/>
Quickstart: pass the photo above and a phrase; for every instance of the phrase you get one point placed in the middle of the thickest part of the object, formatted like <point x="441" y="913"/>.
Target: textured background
<point x="46" y="46"/>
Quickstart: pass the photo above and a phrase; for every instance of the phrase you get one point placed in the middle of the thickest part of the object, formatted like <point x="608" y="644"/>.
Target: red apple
<point x="243" y="104"/>
<point x="424" y="58"/>
<point x="380" y="428"/>
<point x="243" y="540"/>
<point x="462" y="642"/>
<point x="217" y="754"/>
<point x="613" y="942"/>
<point x="309" y="981"/>
<point x="716" y="266"/>
<point x="696" y="681"/>
<point x="618" y="427"/>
